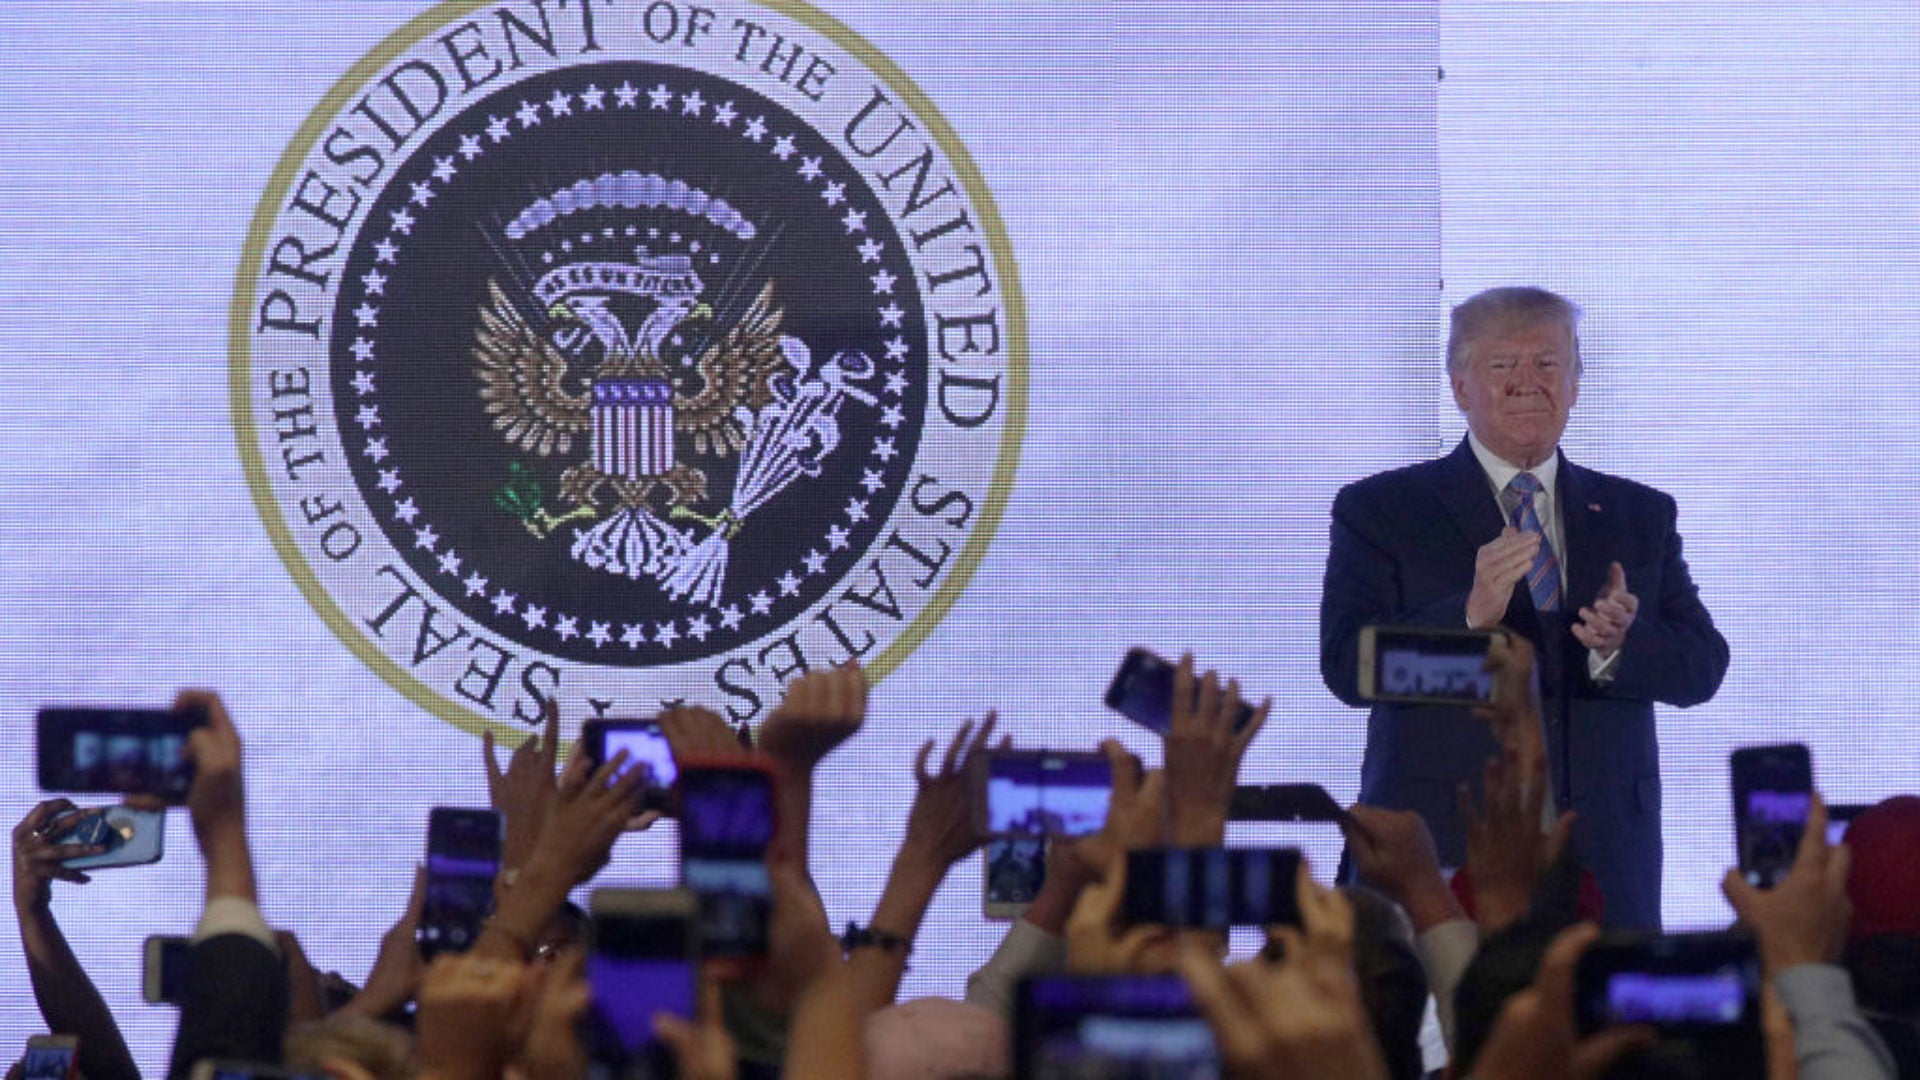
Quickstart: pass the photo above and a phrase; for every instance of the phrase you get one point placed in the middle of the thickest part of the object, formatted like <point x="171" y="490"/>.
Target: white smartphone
<point x="1424" y="665"/>
<point x="131" y="837"/>
<point x="164" y="970"/>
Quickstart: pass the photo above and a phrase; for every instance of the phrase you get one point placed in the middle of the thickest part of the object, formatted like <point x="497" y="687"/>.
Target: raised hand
<point x="217" y="800"/>
<point x="942" y="826"/>
<point x="702" y="1047"/>
<point x="1506" y="850"/>
<point x="466" y="1026"/>
<point x="524" y="791"/>
<point x="1603" y="625"/>
<point x="1803" y="919"/>
<point x="398" y="967"/>
<point x="822" y="709"/>
<point x="1300" y="1017"/>
<point x="693" y="731"/>
<point x="1514" y="714"/>
<point x="37" y="859"/>
<point x="1534" y="1035"/>
<point x="1497" y="566"/>
<point x="1204" y="752"/>
<point x="1393" y="851"/>
<point x="1097" y="942"/>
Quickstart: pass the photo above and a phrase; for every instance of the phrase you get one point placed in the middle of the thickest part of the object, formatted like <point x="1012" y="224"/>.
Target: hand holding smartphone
<point x="1142" y="691"/>
<point x="1701" y="992"/>
<point x="117" y="751"/>
<point x="132" y="837"/>
<point x="727" y="821"/>
<point x="51" y="1057"/>
<point x="647" y="749"/>
<point x="1212" y="888"/>
<point x="463" y="856"/>
<point x="643" y="960"/>
<point x="1772" y="792"/>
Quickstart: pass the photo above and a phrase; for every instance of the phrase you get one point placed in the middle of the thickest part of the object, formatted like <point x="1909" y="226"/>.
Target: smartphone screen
<point x="1772" y="792"/>
<point x="1213" y="888"/>
<point x="117" y="751"/>
<point x="642" y="962"/>
<point x="726" y="823"/>
<point x="1424" y="665"/>
<point x="1683" y="984"/>
<point x="1142" y="691"/>
<point x="1067" y="1026"/>
<point x="1015" y="868"/>
<point x="463" y="855"/>
<point x="131" y="837"/>
<point x="647" y="749"/>
<point x="1041" y="793"/>
<point x="50" y="1057"/>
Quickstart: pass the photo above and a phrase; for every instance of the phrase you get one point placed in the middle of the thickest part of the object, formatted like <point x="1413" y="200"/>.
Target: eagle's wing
<point x="734" y="371"/>
<point x="522" y="380"/>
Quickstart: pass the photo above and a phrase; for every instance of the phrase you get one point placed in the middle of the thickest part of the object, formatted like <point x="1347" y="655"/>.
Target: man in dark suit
<point x="1506" y="531"/>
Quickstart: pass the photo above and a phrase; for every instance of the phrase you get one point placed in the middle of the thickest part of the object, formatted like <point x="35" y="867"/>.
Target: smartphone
<point x="1841" y="815"/>
<point x="1142" y="691"/>
<point x="1070" y="1026"/>
<point x="1423" y="665"/>
<point x="117" y="751"/>
<point x="1212" y="888"/>
<point x="1284" y="802"/>
<point x="1013" y="870"/>
<point x="217" y="1069"/>
<point x="164" y="971"/>
<point x="727" y="811"/>
<point x="463" y="856"/>
<point x="643" y="959"/>
<point x="1772" y="791"/>
<point x="647" y="748"/>
<point x="1700" y="991"/>
<point x="51" y="1057"/>
<point x="1045" y="793"/>
<point x="132" y="837"/>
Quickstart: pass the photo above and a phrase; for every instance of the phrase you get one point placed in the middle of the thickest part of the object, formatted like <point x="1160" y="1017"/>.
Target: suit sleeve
<point x="1366" y="583"/>
<point x="1672" y="652"/>
<point x="235" y="1003"/>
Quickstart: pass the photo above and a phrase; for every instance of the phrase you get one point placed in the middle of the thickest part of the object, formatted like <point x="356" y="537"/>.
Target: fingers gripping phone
<point x="1142" y="691"/>
<point x="132" y="837"/>
<point x="1424" y="665"/>
<point x="647" y="749"/>
<point x="116" y="751"/>
<point x="463" y="856"/>
<point x="1772" y="792"/>
<point x="1701" y="992"/>
<point x="1045" y="793"/>
<point x="726" y="823"/>
<point x="643" y="960"/>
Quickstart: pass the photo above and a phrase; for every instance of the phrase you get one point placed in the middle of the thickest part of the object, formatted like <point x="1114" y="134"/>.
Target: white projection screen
<point x="1209" y="250"/>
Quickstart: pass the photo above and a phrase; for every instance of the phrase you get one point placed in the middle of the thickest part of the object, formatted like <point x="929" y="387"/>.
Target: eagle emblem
<point x="625" y="376"/>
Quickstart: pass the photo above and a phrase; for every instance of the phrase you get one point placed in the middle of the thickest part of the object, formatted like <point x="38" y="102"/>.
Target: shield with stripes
<point x="632" y="427"/>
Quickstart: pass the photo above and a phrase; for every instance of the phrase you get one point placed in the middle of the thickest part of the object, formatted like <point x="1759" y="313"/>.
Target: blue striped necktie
<point x="1543" y="577"/>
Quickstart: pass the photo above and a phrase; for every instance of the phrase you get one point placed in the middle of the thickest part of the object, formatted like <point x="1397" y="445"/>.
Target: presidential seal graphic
<point x="623" y="354"/>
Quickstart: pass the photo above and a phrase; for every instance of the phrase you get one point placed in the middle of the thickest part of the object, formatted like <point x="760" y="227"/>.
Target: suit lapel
<point x="1469" y="500"/>
<point x="1583" y="531"/>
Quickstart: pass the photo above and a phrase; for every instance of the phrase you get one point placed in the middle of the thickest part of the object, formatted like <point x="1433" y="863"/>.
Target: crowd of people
<point x="1340" y="995"/>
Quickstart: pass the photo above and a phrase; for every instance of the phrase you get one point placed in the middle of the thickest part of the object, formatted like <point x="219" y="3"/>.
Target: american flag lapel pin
<point x="1595" y="507"/>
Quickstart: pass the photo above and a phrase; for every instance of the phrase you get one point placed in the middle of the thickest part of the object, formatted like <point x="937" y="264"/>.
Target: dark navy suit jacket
<point x="1403" y="550"/>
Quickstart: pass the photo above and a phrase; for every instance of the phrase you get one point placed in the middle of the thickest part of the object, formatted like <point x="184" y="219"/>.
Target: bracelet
<point x="858" y="937"/>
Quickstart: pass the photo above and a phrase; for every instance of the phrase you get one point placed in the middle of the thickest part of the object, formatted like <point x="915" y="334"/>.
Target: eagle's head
<point x="583" y="317"/>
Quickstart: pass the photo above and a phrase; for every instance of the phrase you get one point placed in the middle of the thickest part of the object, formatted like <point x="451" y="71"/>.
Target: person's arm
<point x="1036" y="942"/>
<point x="1534" y="1035"/>
<point x="821" y="710"/>
<point x="1393" y="851"/>
<point x="398" y="967"/>
<point x="1671" y="652"/>
<point x="941" y="830"/>
<point x="236" y="995"/>
<point x="69" y="1002"/>
<point x="1801" y="924"/>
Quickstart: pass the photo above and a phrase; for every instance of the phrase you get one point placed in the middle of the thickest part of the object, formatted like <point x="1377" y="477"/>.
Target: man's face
<point x="1516" y="386"/>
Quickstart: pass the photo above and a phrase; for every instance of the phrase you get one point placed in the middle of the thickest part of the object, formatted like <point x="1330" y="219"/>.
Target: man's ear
<point x="1459" y="390"/>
